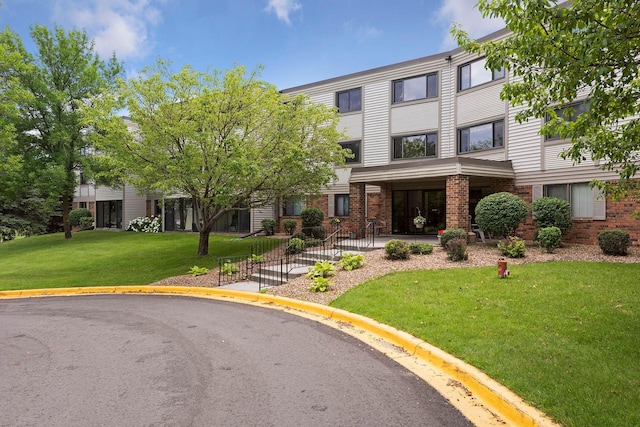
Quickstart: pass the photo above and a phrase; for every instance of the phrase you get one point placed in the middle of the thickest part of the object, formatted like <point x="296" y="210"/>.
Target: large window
<point x="474" y="74"/>
<point x="349" y="100"/>
<point x="342" y="205"/>
<point x="415" y="146"/>
<point x="569" y="113"/>
<point x="292" y="207"/>
<point x="579" y="196"/>
<point x="354" y="146"/>
<point x="481" y="137"/>
<point x="413" y="88"/>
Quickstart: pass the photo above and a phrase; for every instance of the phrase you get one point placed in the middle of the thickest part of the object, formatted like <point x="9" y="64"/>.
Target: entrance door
<point x="407" y="204"/>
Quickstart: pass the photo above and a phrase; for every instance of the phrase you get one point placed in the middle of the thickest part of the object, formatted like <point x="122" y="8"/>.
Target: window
<point x="82" y="205"/>
<point x="342" y="205"/>
<point x="83" y="179"/>
<point x="349" y="100"/>
<point x="413" y="88"/>
<point x="354" y="146"/>
<point x="569" y="113"/>
<point x="481" y="137"/>
<point x="580" y="197"/>
<point x="475" y="73"/>
<point x="414" y="146"/>
<point x="293" y="207"/>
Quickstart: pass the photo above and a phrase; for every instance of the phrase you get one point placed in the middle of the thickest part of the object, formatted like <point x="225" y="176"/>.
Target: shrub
<point x="268" y="224"/>
<point x="255" y="259"/>
<point x="396" y="249"/>
<point x="289" y="225"/>
<point x="318" y="232"/>
<point x="198" y="271"/>
<point x="552" y="212"/>
<point x="501" y="213"/>
<point x="614" y="242"/>
<point x="351" y="261"/>
<point x="320" y="284"/>
<point x="312" y="243"/>
<point x="229" y="268"/>
<point x="76" y="215"/>
<point x="450" y="234"/>
<point x="86" y="222"/>
<point x="311" y="217"/>
<point x="420" y="248"/>
<point x="295" y="246"/>
<point x="457" y="249"/>
<point x="299" y="235"/>
<point x="512" y="248"/>
<point x="321" y="269"/>
<point x="549" y="238"/>
<point x="143" y="224"/>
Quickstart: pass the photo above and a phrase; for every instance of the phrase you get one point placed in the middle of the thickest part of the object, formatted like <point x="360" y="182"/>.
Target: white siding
<point x="341" y="184"/>
<point x="496" y="154"/>
<point x="523" y="143"/>
<point x="447" y="135"/>
<point x="416" y="117"/>
<point x="257" y="215"/>
<point x="351" y="125"/>
<point x="106" y="193"/>
<point x="552" y="159"/>
<point x="376" y="131"/>
<point x="133" y="205"/>
<point x="474" y="106"/>
<point x="327" y="99"/>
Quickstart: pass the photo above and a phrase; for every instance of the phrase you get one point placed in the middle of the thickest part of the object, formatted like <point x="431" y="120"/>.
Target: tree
<point x="227" y="140"/>
<point x="557" y="52"/>
<point x="43" y="95"/>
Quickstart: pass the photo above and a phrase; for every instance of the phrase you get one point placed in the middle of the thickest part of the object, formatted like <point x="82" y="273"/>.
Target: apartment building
<point x="431" y="136"/>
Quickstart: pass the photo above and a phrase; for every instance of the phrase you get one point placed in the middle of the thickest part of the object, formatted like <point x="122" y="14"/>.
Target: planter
<point x="353" y="235"/>
<point x="419" y="225"/>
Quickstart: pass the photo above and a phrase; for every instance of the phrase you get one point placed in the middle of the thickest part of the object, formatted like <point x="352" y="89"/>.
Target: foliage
<point x="44" y="92"/>
<point x="320" y="284"/>
<point x="614" y="241"/>
<point x="321" y="269"/>
<point x="268" y="224"/>
<point x="26" y="216"/>
<point x="317" y="232"/>
<point x="420" y="248"/>
<point x="419" y="220"/>
<point x="457" y="249"/>
<point x="350" y="261"/>
<point x="198" y="271"/>
<point x="501" y="213"/>
<point x="550" y="238"/>
<point x="311" y="217"/>
<point x="225" y="139"/>
<point x="552" y="212"/>
<point x="450" y="234"/>
<point x="77" y="214"/>
<point x="312" y="243"/>
<point x="299" y="235"/>
<point x="255" y="259"/>
<point x="86" y="222"/>
<point x="396" y="249"/>
<point x="295" y="246"/>
<point x="513" y="247"/>
<point x="229" y="268"/>
<point x="144" y="224"/>
<point x="557" y="53"/>
<point x="289" y="225"/>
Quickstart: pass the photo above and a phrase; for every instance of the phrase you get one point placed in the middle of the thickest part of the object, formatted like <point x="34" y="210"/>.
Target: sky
<point x="296" y="41"/>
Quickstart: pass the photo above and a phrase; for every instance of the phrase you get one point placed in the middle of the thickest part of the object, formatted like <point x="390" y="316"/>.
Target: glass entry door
<point x="407" y="204"/>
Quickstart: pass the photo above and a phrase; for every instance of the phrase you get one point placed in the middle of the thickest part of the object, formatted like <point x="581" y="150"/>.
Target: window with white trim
<point x="342" y="205"/>
<point x="354" y="146"/>
<point x="569" y="113"/>
<point x="475" y="73"/>
<point x="413" y="88"/>
<point x="415" y="146"/>
<point x="580" y="196"/>
<point x="349" y="100"/>
<point x="481" y="137"/>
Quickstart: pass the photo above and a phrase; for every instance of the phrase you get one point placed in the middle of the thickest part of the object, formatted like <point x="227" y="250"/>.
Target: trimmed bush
<point x="614" y="242"/>
<point x="299" y="235"/>
<point x="269" y="225"/>
<point x="513" y="247"/>
<point x="552" y="212"/>
<point x="289" y="225"/>
<point x="295" y="246"/>
<point x="550" y="238"/>
<point x="318" y="232"/>
<point x="501" y="213"/>
<point x="76" y="215"/>
<point x="420" y="248"/>
<point x="450" y="234"/>
<point x="457" y="249"/>
<point x="396" y="249"/>
<point x="311" y="217"/>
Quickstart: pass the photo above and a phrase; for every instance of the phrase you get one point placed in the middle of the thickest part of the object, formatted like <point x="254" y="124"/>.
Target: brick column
<point x="357" y="208"/>
<point x="457" y="192"/>
<point x="387" y="199"/>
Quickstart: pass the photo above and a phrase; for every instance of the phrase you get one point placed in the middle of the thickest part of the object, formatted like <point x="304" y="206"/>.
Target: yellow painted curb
<point x="496" y="397"/>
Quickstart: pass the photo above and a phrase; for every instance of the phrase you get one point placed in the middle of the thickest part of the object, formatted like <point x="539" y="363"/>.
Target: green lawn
<point x="565" y="336"/>
<point x="98" y="258"/>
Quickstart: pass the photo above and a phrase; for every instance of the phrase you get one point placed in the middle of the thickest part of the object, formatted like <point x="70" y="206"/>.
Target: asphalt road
<point x="134" y="360"/>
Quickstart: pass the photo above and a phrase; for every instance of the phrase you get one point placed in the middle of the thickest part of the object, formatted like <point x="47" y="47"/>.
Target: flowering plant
<point x="419" y="220"/>
<point x="440" y="232"/>
<point x="145" y="224"/>
<point x="335" y="221"/>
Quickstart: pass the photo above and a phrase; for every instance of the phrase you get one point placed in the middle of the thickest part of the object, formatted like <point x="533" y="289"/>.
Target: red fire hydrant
<point x="502" y="268"/>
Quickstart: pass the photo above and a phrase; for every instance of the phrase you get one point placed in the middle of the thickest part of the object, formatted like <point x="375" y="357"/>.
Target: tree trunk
<point x="65" y="216"/>
<point x="203" y="243"/>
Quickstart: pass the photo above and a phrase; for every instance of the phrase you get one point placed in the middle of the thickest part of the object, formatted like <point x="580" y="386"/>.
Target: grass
<point x="102" y="258"/>
<point x="565" y="336"/>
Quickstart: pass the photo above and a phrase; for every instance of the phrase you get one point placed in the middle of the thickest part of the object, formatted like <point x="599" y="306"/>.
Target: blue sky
<point x="297" y="41"/>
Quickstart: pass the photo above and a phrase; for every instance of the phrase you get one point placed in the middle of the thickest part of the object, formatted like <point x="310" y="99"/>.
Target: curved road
<point x="116" y="360"/>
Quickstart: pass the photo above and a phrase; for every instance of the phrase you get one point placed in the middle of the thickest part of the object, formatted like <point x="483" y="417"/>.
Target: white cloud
<point x="283" y="8"/>
<point x="115" y="25"/>
<point x="367" y="33"/>
<point x="465" y="13"/>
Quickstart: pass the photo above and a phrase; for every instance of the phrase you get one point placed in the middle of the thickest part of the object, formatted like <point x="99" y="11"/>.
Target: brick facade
<point x="457" y="191"/>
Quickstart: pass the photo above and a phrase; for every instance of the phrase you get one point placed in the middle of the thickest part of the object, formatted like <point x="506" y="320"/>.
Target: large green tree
<point x="42" y="135"/>
<point x="557" y="52"/>
<point x="225" y="139"/>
